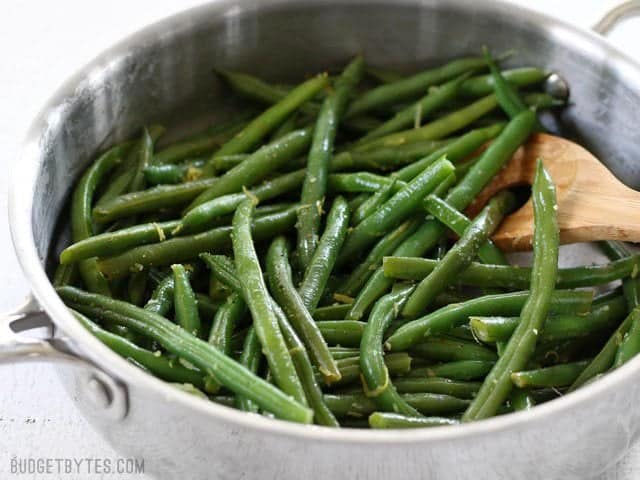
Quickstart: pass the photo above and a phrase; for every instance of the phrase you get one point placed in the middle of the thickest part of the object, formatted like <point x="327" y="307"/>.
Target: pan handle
<point x="628" y="9"/>
<point x="101" y="389"/>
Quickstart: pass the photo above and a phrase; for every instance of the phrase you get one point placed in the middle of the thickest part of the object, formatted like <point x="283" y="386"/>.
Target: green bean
<point x="411" y="87"/>
<point x="322" y="414"/>
<point x="111" y="243"/>
<point x="441" y="385"/>
<point x="121" y="179"/>
<point x="258" y="300"/>
<point x="506" y="304"/>
<point x="161" y="300"/>
<point x="460" y="256"/>
<point x="540" y="101"/>
<point x="339" y="353"/>
<point x="284" y="292"/>
<point x="387" y="244"/>
<point x="445" y="349"/>
<point x="458" y="223"/>
<point x="250" y="358"/>
<point x="497" y="386"/>
<point x="433" y="100"/>
<point x="315" y="183"/>
<point x="331" y="312"/>
<point x="386" y="158"/>
<point x="461" y="370"/>
<point x="457" y="150"/>
<point x="159" y="365"/>
<point x="427" y="236"/>
<point x="202" y="143"/>
<point x="358" y="405"/>
<point x="359" y="182"/>
<point x="605" y="358"/>
<point x="393" y="212"/>
<point x="286" y="127"/>
<point x="65" y="275"/>
<point x="184" y="248"/>
<point x="271" y="118"/>
<point x="382" y="75"/>
<point x="176" y="340"/>
<point x="81" y="221"/>
<point x="630" y="345"/>
<point x="507" y="96"/>
<point x="507" y="276"/>
<point x="395" y="420"/>
<point x="150" y="200"/>
<point x="518" y="77"/>
<point x="201" y="217"/>
<point x="375" y="374"/>
<point x="144" y="154"/>
<point x="256" y="89"/>
<point x="184" y="301"/>
<point x="556" y="376"/>
<point x="631" y="285"/>
<point x="350" y="369"/>
<point x="223" y="163"/>
<point x="172" y="174"/>
<point x="560" y="327"/>
<point x="521" y="400"/>
<point x="437" y="129"/>
<point x="373" y="203"/>
<point x="225" y="321"/>
<point x="257" y="166"/>
<point x="324" y="257"/>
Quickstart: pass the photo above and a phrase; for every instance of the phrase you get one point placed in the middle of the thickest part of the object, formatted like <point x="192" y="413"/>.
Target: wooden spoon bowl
<point x="592" y="203"/>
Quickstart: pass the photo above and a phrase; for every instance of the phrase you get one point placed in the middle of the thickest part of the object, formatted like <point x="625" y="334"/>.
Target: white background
<point x="42" y="43"/>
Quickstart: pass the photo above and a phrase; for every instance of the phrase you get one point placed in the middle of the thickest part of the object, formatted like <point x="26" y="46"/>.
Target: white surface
<point x="41" y="43"/>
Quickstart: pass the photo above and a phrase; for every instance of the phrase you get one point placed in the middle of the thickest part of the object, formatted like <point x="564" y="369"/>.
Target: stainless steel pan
<point x="164" y="73"/>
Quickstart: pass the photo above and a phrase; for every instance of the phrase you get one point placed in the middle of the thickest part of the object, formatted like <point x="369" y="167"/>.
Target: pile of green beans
<point x="311" y="260"/>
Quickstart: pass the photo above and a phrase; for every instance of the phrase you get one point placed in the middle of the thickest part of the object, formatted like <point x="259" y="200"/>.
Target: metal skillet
<point x="162" y="74"/>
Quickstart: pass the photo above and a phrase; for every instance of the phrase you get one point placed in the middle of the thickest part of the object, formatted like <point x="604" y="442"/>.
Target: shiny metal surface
<point x="164" y="73"/>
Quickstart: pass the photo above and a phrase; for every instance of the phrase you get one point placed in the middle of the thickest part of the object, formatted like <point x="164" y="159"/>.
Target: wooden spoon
<point x="592" y="203"/>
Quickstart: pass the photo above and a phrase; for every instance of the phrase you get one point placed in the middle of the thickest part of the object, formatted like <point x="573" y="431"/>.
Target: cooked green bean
<point x="81" y="221"/>
<point x="432" y="101"/>
<point x="507" y="276"/>
<point x="373" y="203"/>
<point x="505" y="304"/>
<point x="497" y="386"/>
<point x="315" y="183"/>
<point x="461" y="370"/>
<point x="395" y="210"/>
<point x="445" y="349"/>
<point x="387" y="244"/>
<point x="411" y="87"/>
<point x="172" y="174"/>
<point x="631" y="285"/>
<point x="110" y="243"/>
<point x="223" y="163"/>
<point x="437" y="129"/>
<point x="375" y="374"/>
<point x="460" y="255"/>
<point x="506" y="94"/>
<point x="250" y="358"/>
<point x="458" y="223"/>
<point x="395" y="420"/>
<point x="259" y="302"/>
<point x="350" y="369"/>
<point x="207" y="358"/>
<point x="184" y="301"/>
<point x="201" y="217"/>
<point x="358" y="405"/>
<point x="185" y="248"/>
<point x="159" y="365"/>
<point x="284" y="292"/>
<point x="359" y="182"/>
<point x="518" y="77"/>
<point x="225" y="322"/>
<point x="605" y="358"/>
<point x="630" y="345"/>
<point x="602" y="317"/>
<point x="136" y="287"/>
<point x="257" y="166"/>
<point x="441" y="385"/>
<point x="556" y="376"/>
<point x="331" y="312"/>
<point x="521" y="400"/>
<point x="150" y="200"/>
<point x="325" y="255"/>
